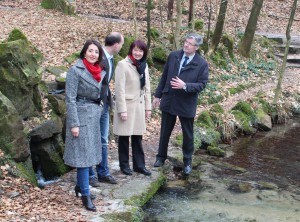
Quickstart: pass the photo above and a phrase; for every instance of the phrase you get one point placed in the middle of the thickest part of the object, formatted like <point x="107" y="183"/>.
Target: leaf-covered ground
<point x="58" y="35"/>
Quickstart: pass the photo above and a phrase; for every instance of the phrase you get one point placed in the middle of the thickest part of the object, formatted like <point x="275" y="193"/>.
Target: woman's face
<point x="137" y="53"/>
<point x="92" y="54"/>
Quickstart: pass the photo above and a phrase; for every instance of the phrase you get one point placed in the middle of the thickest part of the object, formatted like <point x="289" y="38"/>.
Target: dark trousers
<point x="138" y="157"/>
<point x="167" y="125"/>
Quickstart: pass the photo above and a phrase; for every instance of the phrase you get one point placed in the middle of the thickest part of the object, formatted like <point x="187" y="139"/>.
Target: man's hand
<point x="156" y="102"/>
<point x="75" y="131"/>
<point x="177" y="83"/>
<point x="123" y="116"/>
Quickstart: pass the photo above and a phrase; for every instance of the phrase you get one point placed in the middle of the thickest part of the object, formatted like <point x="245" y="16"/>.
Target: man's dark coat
<point x="182" y="102"/>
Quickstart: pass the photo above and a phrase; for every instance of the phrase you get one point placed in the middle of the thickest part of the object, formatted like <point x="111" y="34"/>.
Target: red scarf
<point x="133" y="60"/>
<point x="95" y="69"/>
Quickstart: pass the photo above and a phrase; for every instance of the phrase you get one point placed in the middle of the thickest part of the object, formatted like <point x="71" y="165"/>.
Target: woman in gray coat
<point x="83" y="136"/>
<point x="133" y="104"/>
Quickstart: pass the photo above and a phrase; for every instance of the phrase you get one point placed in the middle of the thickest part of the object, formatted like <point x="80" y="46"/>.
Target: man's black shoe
<point x="143" y="171"/>
<point x="187" y="170"/>
<point x="107" y="179"/>
<point x="159" y="163"/>
<point x="127" y="171"/>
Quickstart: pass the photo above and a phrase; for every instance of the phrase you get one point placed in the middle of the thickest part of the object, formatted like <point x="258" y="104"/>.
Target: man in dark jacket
<point x="185" y="75"/>
<point x="113" y="44"/>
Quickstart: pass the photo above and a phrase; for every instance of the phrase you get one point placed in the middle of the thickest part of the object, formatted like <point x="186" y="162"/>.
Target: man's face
<point x="118" y="46"/>
<point x="189" y="46"/>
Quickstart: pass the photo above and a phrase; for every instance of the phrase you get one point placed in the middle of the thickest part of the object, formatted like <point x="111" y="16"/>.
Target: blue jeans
<point x="102" y="168"/>
<point x="83" y="180"/>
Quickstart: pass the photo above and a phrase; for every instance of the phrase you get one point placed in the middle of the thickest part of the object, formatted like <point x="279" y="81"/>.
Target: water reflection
<point x="267" y="157"/>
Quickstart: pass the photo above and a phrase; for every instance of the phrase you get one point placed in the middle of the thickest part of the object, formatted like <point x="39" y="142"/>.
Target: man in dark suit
<point x="184" y="76"/>
<point x="113" y="44"/>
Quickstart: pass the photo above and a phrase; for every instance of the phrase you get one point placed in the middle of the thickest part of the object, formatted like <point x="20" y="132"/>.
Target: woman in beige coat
<point x="133" y="104"/>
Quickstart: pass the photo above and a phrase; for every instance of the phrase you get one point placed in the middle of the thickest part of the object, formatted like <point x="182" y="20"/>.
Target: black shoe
<point x="187" y="169"/>
<point x="107" y="179"/>
<point x="159" y="163"/>
<point x="94" y="182"/>
<point x="78" y="190"/>
<point x="143" y="171"/>
<point x="127" y="171"/>
<point x="88" y="203"/>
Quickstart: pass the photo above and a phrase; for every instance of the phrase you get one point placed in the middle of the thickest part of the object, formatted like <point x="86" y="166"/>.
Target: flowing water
<point x="258" y="180"/>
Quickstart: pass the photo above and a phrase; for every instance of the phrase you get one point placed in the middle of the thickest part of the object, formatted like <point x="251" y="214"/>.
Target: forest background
<point x="58" y="35"/>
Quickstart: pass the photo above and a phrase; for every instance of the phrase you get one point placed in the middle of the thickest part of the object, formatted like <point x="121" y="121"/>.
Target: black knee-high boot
<point x="88" y="203"/>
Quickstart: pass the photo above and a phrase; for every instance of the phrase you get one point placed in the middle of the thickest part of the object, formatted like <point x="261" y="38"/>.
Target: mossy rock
<point x="244" y="107"/>
<point x="217" y="108"/>
<point x="240" y="187"/>
<point x="16" y="34"/>
<point x="60" y="5"/>
<point x="208" y="136"/>
<point x="205" y="120"/>
<point x="71" y="58"/>
<point x="159" y="54"/>
<point x="57" y="70"/>
<point x="131" y="215"/>
<point x="215" y="151"/>
<point x="128" y="40"/>
<point x="199" y="24"/>
<point x="228" y="42"/>
<point x="244" y="123"/>
<point x="154" y="33"/>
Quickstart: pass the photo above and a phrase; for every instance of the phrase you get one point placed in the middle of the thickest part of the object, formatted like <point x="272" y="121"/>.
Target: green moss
<point x="154" y="33"/>
<point x="208" y="136"/>
<point x="244" y="107"/>
<point x="216" y="108"/>
<point x="199" y="24"/>
<point x="134" y="214"/>
<point x="204" y="120"/>
<point x="59" y="169"/>
<point x="26" y="171"/>
<point x="56" y="70"/>
<point x="244" y="121"/>
<point x="215" y="151"/>
<point x="16" y="34"/>
<point x="159" y="54"/>
<point x="128" y="40"/>
<point x="140" y="200"/>
<point x="60" y="5"/>
<point x="71" y="58"/>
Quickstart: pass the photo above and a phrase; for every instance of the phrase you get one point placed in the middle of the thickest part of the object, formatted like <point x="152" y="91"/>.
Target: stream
<point x="257" y="181"/>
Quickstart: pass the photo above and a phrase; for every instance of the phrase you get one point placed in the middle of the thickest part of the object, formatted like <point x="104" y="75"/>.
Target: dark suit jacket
<point x="182" y="102"/>
<point x="105" y="94"/>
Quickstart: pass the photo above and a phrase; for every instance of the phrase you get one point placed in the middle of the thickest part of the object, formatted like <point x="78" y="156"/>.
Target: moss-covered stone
<point x="244" y="107"/>
<point x="154" y="33"/>
<point x="217" y="108"/>
<point x="128" y="40"/>
<point x="204" y="120"/>
<point x="16" y="34"/>
<point x="60" y="5"/>
<point x="159" y="54"/>
<point x="25" y="170"/>
<point x="207" y="136"/>
<point x="134" y="214"/>
<point x="215" y="151"/>
<point x="243" y="122"/>
<point x="57" y="70"/>
<point x="228" y="42"/>
<point x="240" y="187"/>
<point x="199" y="24"/>
<point x="71" y="58"/>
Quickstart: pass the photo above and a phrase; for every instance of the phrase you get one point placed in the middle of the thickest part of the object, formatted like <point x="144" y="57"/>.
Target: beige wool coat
<point x="131" y="99"/>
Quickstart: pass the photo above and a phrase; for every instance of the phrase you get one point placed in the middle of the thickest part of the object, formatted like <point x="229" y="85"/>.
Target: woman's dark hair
<point x="87" y="44"/>
<point x="141" y="45"/>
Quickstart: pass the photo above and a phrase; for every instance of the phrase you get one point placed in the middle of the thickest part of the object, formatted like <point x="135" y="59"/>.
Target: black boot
<point x="78" y="190"/>
<point x="87" y="202"/>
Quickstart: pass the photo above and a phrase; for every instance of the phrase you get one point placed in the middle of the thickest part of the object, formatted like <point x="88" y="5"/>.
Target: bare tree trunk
<point x="160" y="13"/>
<point x="219" y="27"/>
<point x="170" y="9"/>
<point x="209" y="9"/>
<point x="191" y="8"/>
<point x="246" y="42"/>
<point x="278" y="89"/>
<point x="149" y="7"/>
<point x="134" y="18"/>
<point x="178" y="24"/>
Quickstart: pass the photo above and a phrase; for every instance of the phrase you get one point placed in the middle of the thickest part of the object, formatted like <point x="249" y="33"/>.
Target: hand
<point x="177" y="83"/>
<point x="148" y="113"/>
<point x="156" y="102"/>
<point x="123" y="116"/>
<point x="75" y="131"/>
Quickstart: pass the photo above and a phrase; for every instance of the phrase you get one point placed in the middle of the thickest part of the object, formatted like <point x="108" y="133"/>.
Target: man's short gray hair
<point x="198" y="38"/>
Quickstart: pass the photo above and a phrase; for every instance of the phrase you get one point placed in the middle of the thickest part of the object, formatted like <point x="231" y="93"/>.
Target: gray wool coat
<point x="84" y="150"/>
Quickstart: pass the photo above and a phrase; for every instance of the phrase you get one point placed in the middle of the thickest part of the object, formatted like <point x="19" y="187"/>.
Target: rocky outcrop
<point x="20" y="75"/>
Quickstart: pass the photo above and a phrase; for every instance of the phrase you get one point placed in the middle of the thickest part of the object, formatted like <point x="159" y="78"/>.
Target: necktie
<point x="185" y="61"/>
<point x="111" y="68"/>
